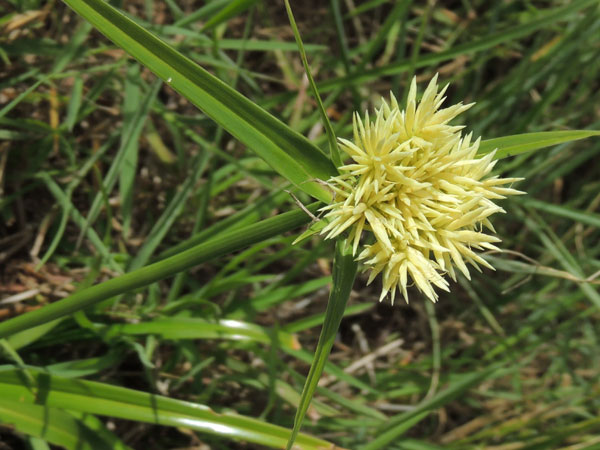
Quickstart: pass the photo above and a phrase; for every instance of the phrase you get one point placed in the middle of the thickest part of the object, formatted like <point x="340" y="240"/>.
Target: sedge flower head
<point x="417" y="184"/>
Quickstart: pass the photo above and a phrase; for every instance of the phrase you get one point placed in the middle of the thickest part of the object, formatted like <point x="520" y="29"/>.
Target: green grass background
<point x="104" y="169"/>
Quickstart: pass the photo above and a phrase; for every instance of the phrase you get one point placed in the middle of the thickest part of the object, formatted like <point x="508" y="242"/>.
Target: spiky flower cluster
<point x="418" y="185"/>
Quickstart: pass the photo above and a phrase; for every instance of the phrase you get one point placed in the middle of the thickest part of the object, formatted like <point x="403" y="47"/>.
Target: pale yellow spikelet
<point x="420" y="188"/>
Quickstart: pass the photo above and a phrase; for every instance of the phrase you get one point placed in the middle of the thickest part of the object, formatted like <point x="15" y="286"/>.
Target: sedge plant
<point x="409" y="197"/>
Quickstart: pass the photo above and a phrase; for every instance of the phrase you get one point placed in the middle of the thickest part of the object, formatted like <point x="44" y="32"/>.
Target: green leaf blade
<point x="288" y="152"/>
<point x="521" y="143"/>
<point x="177" y="328"/>
<point x="103" y="399"/>
<point x="344" y="272"/>
<point x="219" y="246"/>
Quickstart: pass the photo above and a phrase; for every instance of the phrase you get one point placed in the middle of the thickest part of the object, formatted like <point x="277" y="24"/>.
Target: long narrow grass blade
<point x="114" y="401"/>
<point x="344" y="272"/>
<point x="132" y="99"/>
<point x="288" y="152"/>
<point x="222" y="245"/>
<point x="178" y="328"/>
<point x="333" y="148"/>
<point x="528" y="142"/>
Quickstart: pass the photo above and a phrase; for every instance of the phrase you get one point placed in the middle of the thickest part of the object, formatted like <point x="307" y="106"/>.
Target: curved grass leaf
<point x="288" y="152"/>
<point x="195" y="328"/>
<point x="527" y="142"/>
<point x="344" y="272"/>
<point x="218" y="246"/>
<point x="113" y="401"/>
